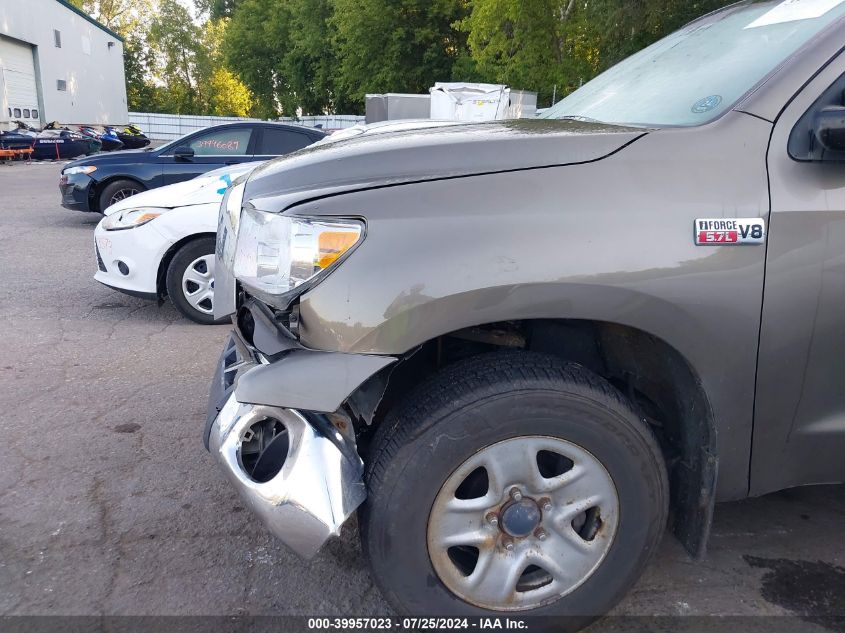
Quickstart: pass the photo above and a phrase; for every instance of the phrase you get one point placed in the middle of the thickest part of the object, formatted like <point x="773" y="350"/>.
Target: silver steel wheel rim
<point x="198" y="284"/>
<point x="122" y="194"/>
<point x="505" y="574"/>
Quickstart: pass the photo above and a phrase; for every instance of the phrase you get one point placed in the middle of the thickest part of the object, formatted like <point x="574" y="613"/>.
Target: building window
<point x="57" y="38"/>
<point x="61" y="84"/>
<point x="17" y="113"/>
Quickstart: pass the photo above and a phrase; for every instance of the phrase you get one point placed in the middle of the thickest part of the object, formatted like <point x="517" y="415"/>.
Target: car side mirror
<point x="829" y="128"/>
<point x="183" y="153"/>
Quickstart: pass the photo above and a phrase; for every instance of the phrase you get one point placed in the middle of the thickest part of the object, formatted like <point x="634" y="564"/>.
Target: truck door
<point x="799" y="422"/>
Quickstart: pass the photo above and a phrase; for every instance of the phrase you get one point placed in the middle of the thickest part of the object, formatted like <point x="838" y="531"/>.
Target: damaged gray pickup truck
<point x="521" y="350"/>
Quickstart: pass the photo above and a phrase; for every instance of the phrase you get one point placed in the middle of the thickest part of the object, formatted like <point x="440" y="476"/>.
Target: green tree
<point x="282" y="51"/>
<point x="548" y="45"/>
<point x="174" y="37"/>
<point x="310" y="60"/>
<point x="227" y="95"/>
<point x="120" y="16"/>
<point x="222" y="91"/>
<point x="217" y="9"/>
<point x="254" y="43"/>
<point x="142" y="95"/>
<point x="397" y="46"/>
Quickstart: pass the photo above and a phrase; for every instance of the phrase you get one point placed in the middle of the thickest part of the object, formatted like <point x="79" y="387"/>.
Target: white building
<point x="58" y="64"/>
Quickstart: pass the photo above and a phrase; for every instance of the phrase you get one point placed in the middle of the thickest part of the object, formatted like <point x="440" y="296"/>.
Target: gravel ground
<point x="109" y="504"/>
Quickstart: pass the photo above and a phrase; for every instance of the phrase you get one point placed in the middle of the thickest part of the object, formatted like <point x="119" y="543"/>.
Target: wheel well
<point x="161" y="275"/>
<point x="664" y="388"/>
<point x="94" y="192"/>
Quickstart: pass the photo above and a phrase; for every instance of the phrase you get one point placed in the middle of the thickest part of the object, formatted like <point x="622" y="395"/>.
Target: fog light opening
<point x="123" y="268"/>
<point x="264" y="449"/>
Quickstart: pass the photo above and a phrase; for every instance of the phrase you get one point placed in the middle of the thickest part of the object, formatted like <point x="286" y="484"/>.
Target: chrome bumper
<point x="318" y="487"/>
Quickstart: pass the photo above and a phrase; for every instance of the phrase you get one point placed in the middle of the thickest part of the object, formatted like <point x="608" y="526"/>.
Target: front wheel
<point x="118" y="190"/>
<point x="513" y="483"/>
<point x="190" y="280"/>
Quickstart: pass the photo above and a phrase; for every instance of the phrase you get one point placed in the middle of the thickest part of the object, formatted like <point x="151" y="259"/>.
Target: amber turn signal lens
<point x="333" y="244"/>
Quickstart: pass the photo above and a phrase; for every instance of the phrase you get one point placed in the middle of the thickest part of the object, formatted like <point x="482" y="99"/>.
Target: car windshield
<point x="694" y="75"/>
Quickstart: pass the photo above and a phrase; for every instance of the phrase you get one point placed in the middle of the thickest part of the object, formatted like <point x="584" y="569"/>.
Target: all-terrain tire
<point x="477" y="403"/>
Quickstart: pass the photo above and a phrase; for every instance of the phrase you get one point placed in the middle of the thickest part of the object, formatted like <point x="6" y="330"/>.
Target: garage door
<point x="20" y="92"/>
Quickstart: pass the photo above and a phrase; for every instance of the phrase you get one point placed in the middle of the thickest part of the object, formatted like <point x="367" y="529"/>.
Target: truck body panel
<point x="799" y="429"/>
<point x="521" y="245"/>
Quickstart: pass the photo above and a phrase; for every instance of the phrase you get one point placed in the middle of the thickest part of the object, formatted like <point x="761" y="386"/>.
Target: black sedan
<point x="96" y="182"/>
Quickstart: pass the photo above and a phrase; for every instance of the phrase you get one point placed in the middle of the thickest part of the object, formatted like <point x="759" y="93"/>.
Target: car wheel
<point x="118" y="190"/>
<point x="513" y="483"/>
<point x="190" y="280"/>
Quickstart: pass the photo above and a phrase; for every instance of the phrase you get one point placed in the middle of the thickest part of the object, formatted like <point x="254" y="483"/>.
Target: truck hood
<point x="430" y="153"/>
<point x="205" y="189"/>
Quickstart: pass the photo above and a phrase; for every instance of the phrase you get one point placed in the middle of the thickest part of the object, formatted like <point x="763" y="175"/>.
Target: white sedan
<point x="161" y="242"/>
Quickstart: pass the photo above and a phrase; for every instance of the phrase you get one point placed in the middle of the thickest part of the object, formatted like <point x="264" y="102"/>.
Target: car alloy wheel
<point x="522" y="523"/>
<point x="122" y="194"/>
<point x="198" y="284"/>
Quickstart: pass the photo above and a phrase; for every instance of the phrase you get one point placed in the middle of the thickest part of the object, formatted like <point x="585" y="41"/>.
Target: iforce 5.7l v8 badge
<point x="729" y="231"/>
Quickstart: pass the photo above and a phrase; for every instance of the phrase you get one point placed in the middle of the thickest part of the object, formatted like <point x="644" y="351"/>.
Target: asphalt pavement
<point x="109" y="504"/>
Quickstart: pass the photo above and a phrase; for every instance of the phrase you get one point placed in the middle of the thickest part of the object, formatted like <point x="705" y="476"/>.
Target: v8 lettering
<point x="721" y="231"/>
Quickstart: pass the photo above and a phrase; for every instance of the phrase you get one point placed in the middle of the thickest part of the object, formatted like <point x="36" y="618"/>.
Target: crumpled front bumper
<point x="314" y="493"/>
<point x="320" y="482"/>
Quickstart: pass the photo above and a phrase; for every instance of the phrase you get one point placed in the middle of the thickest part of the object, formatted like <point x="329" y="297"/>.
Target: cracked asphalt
<point x="109" y="504"/>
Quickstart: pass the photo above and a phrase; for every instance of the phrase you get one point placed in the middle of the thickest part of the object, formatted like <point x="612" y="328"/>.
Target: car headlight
<point x="85" y="169"/>
<point x="131" y="218"/>
<point x="279" y="256"/>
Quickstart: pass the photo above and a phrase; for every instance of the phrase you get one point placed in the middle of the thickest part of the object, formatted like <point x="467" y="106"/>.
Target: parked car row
<point x="519" y="350"/>
<point x="97" y="182"/>
<point x="173" y="256"/>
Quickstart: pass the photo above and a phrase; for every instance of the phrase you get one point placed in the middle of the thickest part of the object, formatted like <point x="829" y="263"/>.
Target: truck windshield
<point x="694" y="75"/>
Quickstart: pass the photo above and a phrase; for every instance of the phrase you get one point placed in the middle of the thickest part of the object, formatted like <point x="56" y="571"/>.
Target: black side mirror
<point x="829" y="128"/>
<point x="187" y="153"/>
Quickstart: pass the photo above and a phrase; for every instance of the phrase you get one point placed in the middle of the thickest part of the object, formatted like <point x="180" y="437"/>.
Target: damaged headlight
<point x="277" y="254"/>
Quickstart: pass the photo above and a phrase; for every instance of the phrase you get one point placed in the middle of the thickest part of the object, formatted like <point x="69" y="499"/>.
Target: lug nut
<point x="540" y="533"/>
<point x="508" y="543"/>
<point x="492" y="519"/>
<point x="516" y="495"/>
<point x="546" y="504"/>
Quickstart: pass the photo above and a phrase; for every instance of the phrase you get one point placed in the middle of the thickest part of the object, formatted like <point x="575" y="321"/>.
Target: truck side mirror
<point x="829" y="128"/>
<point x="187" y="153"/>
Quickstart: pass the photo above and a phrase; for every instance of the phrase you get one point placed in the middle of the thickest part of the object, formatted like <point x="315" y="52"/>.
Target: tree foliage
<point x="282" y="50"/>
<point x="172" y="63"/>
<point x="271" y="57"/>
<point x="217" y="9"/>
<point x="556" y="45"/>
<point x="401" y="46"/>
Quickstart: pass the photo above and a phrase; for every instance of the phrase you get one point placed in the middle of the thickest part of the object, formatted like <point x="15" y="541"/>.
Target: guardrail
<point x="166" y="127"/>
